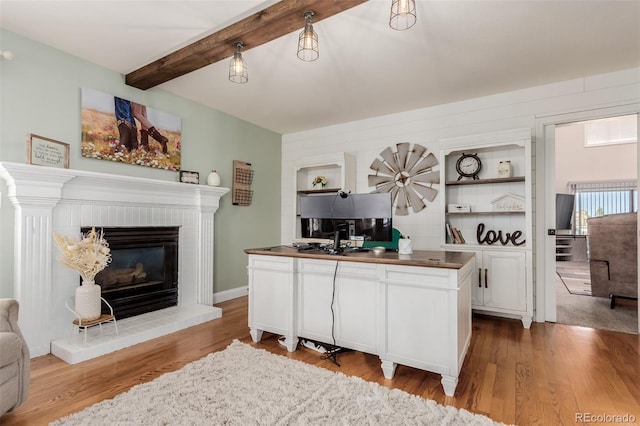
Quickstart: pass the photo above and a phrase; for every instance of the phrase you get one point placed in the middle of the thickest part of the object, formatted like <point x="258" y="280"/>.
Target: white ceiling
<point x="457" y="50"/>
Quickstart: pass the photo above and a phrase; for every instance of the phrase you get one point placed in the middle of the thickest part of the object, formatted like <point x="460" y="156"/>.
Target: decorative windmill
<point x="408" y="174"/>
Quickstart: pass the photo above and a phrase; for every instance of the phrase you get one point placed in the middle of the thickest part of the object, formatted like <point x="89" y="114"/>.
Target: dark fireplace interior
<point x="143" y="274"/>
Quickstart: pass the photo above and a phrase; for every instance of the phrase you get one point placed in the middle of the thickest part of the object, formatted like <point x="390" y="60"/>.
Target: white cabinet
<point x="492" y="212"/>
<point x="338" y="169"/>
<point x="419" y="316"/>
<point x="503" y="274"/>
<point x="500" y="284"/>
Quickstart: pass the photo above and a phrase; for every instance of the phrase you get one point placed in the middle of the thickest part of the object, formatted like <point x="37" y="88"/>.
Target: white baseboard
<point x="234" y="293"/>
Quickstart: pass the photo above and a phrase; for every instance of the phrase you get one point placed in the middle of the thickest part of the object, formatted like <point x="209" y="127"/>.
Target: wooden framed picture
<point x="189" y="177"/>
<point x="43" y="151"/>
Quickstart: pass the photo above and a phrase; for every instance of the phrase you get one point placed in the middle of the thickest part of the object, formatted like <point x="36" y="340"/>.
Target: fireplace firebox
<point x="143" y="274"/>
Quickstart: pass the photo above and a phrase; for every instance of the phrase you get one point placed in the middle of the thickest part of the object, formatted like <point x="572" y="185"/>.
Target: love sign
<point x="492" y="237"/>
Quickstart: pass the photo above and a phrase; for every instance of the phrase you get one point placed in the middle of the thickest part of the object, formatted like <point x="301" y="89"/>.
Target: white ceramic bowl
<point x="378" y="250"/>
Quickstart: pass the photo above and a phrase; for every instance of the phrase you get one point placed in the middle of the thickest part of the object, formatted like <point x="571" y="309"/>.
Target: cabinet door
<point x="477" y="281"/>
<point x="271" y="294"/>
<point x="315" y="290"/>
<point x="418" y="309"/>
<point x="504" y="280"/>
<point x="346" y="310"/>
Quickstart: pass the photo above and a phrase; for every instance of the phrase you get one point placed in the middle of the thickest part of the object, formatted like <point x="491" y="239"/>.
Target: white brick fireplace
<point x="48" y="200"/>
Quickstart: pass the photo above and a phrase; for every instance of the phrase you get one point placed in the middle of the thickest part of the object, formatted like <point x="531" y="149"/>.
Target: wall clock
<point x="468" y="165"/>
<point x="408" y="174"/>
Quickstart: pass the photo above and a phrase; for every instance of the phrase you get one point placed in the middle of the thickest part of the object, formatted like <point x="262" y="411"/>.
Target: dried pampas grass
<point x="87" y="256"/>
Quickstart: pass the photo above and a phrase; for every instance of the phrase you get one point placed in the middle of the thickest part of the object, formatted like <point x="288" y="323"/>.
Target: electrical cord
<point x="332" y="353"/>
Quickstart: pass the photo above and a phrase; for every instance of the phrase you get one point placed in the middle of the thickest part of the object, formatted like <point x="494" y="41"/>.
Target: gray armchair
<point x="613" y="260"/>
<point x="14" y="358"/>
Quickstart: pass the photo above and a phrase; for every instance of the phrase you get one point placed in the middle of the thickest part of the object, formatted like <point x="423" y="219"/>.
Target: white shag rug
<point x="246" y="386"/>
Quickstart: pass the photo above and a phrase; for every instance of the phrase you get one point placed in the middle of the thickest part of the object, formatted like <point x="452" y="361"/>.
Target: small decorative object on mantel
<point x="213" y="179"/>
<point x="43" y="151"/>
<point x="189" y="177"/>
<point x="504" y="169"/>
<point x="319" y="180"/>
<point x="87" y="256"/>
<point x="242" y="179"/>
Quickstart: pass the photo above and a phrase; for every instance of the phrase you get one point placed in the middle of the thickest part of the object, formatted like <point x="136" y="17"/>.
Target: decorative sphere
<point x="213" y="179"/>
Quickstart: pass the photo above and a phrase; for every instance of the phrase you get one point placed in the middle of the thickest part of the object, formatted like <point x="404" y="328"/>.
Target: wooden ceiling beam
<point x="268" y="24"/>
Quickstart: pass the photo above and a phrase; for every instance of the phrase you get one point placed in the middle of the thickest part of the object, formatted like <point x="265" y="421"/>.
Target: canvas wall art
<point x="117" y="129"/>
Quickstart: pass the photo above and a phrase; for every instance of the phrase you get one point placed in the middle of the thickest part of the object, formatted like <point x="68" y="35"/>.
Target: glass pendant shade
<point x="308" y="41"/>
<point x="237" y="67"/>
<point x="403" y="14"/>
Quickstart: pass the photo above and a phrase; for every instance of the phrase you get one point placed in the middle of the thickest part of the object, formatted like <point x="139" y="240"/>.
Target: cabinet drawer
<point x="344" y="268"/>
<point x="271" y="263"/>
<point x="416" y="276"/>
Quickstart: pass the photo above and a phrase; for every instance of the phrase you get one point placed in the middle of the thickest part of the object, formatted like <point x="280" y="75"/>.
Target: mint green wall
<point x="40" y="93"/>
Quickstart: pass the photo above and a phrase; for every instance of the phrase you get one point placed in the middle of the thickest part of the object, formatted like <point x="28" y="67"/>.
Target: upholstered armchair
<point x="613" y="260"/>
<point x="14" y="358"/>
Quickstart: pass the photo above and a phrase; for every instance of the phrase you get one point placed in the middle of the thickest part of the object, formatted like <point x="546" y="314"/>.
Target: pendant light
<point x="237" y="67"/>
<point x="403" y="14"/>
<point x="308" y="40"/>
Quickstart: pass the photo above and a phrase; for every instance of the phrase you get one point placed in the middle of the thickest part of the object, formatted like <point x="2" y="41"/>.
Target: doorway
<point x="595" y="175"/>
<point x="545" y="214"/>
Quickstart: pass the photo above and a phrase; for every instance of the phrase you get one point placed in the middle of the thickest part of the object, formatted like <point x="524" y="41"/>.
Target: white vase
<point x="504" y="169"/>
<point x="404" y="246"/>
<point x="88" y="301"/>
<point x="213" y="179"/>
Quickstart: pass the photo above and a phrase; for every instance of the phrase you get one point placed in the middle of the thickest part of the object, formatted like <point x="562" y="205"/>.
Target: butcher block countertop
<point x="423" y="258"/>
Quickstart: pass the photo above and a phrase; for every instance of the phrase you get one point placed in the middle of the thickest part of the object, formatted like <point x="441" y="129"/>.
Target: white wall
<point x="575" y="163"/>
<point x="519" y="109"/>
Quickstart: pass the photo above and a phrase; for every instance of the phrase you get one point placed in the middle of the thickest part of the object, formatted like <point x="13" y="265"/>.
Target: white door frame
<point x="545" y="301"/>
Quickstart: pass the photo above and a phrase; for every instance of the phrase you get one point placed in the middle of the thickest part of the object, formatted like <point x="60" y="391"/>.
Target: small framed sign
<point x="189" y="177"/>
<point x="43" y="151"/>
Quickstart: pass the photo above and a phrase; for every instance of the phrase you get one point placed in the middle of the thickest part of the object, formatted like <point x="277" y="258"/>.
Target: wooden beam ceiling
<point x="275" y="21"/>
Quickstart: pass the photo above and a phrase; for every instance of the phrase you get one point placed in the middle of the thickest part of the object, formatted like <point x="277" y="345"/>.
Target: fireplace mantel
<point x="35" y="185"/>
<point x="48" y="200"/>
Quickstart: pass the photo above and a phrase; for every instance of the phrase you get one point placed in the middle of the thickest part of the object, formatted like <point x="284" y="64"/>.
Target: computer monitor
<point x="357" y="216"/>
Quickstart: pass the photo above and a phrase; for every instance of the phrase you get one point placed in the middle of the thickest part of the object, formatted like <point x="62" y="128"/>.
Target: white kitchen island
<point x="413" y="310"/>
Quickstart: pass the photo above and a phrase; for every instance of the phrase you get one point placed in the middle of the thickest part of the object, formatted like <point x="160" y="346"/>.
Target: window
<point x="601" y="198"/>
<point x="609" y="131"/>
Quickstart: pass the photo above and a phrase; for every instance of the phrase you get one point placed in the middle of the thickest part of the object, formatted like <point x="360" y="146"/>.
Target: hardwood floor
<point x="543" y="376"/>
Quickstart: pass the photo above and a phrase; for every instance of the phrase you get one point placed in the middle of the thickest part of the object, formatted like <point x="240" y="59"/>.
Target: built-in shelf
<point x="492" y="213"/>
<point x="318" y="191"/>
<point x="339" y="170"/>
<point x="485" y="181"/>
<point x="500" y="211"/>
